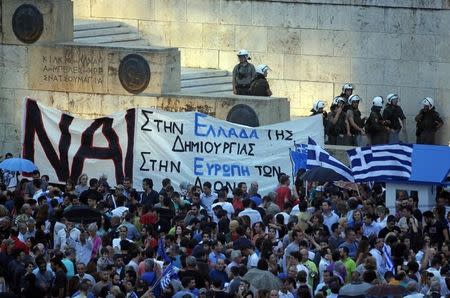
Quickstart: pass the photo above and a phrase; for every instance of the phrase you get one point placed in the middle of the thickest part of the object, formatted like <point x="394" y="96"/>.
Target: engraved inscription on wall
<point x="77" y="70"/>
<point x="82" y="69"/>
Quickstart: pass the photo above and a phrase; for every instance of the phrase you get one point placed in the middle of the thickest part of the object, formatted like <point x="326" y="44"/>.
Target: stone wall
<point x="312" y="46"/>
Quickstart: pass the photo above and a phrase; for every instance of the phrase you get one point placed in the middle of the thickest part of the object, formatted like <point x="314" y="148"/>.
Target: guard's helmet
<point x="319" y="104"/>
<point x="377" y="101"/>
<point x="354" y="98"/>
<point x="391" y="97"/>
<point x="262" y="69"/>
<point x="338" y="99"/>
<point x="242" y="52"/>
<point x="347" y="86"/>
<point x="428" y="101"/>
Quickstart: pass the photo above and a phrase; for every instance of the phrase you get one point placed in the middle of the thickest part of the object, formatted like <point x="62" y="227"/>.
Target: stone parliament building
<point x="92" y="58"/>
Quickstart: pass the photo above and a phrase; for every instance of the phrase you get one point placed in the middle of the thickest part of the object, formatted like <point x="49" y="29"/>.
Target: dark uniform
<point x="337" y="133"/>
<point x="259" y="86"/>
<point x="376" y="127"/>
<point x="324" y="118"/>
<point x="393" y="114"/>
<point x="243" y="74"/>
<point x="428" y="122"/>
<point x="358" y="121"/>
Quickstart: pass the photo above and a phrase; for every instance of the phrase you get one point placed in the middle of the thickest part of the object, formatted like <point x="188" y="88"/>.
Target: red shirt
<point x="237" y="204"/>
<point x="283" y="195"/>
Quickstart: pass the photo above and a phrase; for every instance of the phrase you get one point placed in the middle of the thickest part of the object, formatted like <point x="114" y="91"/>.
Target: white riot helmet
<point x="377" y="101"/>
<point x="243" y="52"/>
<point x="262" y="69"/>
<point x="347" y="86"/>
<point x="391" y="97"/>
<point x="319" y="104"/>
<point x="428" y="101"/>
<point x="354" y="98"/>
<point x="338" y="99"/>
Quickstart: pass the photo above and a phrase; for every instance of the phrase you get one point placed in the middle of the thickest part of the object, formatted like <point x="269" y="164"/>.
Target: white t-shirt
<point x="252" y="261"/>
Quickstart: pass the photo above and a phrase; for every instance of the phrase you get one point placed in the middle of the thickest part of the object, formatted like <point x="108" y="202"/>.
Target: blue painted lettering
<point x="198" y="167"/>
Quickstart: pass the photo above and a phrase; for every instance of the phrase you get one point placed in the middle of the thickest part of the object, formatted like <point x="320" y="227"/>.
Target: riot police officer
<point x="428" y="122"/>
<point x="243" y="74"/>
<point x="338" y="130"/>
<point x="347" y="91"/>
<point x="376" y="127"/>
<point x="259" y="85"/>
<point x="394" y="114"/>
<point x="318" y="109"/>
<point x="356" y="123"/>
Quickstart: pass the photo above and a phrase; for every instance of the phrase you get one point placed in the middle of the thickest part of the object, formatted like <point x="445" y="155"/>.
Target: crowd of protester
<point x="324" y="242"/>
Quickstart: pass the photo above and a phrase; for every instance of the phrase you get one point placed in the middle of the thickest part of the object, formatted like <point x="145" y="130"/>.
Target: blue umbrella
<point x="16" y="164"/>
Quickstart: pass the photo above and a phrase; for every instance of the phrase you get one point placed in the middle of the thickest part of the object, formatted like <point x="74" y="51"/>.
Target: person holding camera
<point x="376" y="127"/>
<point x="243" y="74"/>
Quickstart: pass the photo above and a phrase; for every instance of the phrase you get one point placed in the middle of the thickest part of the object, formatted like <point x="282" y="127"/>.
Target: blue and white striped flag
<point x="387" y="257"/>
<point x="381" y="163"/>
<point x="168" y="273"/>
<point x="318" y="157"/>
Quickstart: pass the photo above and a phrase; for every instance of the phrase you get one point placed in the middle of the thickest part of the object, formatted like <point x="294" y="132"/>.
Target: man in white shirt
<point x="329" y="217"/>
<point x="82" y="246"/>
<point x="123" y="231"/>
<point x="370" y="227"/>
<point x="227" y="206"/>
<point x="379" y="256"/>
<point x="254" y="215"/>
<point x="208" y="197"/>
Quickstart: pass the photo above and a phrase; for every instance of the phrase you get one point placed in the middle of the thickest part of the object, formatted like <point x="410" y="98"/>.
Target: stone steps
<point x="206" y="81"/>
<point x="106" y="32"/>
<point x="198" y="73"/>
<point x="113" y="33"/>
<point x="80" y="25"/>
<point x="109" y="38"/>
<point x="101" y="32"/>
<point x="198" y="80"/>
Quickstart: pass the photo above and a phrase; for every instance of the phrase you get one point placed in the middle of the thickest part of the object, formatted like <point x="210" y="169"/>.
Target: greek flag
<point x="380" y="163"/>
<point x="168" y="273"/>
<point x="318" y="157"/>
<point x="387" y="257"/>
<point x="298" y="157"/>
<point x="161" y="251"/>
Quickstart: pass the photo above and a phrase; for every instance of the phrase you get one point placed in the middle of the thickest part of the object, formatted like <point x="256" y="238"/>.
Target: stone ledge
<point x="421" y="4"/>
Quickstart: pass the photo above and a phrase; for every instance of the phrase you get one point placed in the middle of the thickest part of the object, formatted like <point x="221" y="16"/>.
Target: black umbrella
<point x="321" y="174"/>
<point x="82" y="214"/>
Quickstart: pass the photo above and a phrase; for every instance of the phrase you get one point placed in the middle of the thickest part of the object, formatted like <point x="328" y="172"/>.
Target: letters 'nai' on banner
<point x="149" y="143"/>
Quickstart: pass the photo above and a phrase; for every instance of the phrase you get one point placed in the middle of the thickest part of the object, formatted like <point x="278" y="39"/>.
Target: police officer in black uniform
<point x="338" y="130"/>
<point x="318" y="109"/>
<point x="376" y="127"/>
<point x="356" y="123"/>
<point x="259" y="86"/>
<point x="394" y="114"/>
<point x="428" y="122"/>
<point x="243" y="74"/>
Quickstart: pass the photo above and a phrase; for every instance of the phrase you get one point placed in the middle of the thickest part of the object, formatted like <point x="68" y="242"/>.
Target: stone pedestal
<point x="104" y="70"/>
<point x="36" y="21"/>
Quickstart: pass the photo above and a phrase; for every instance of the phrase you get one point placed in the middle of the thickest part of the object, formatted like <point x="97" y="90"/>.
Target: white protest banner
<point x="149" y="143"/>
<point x="63" y="146"/>
<point x="196" y="148"/>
